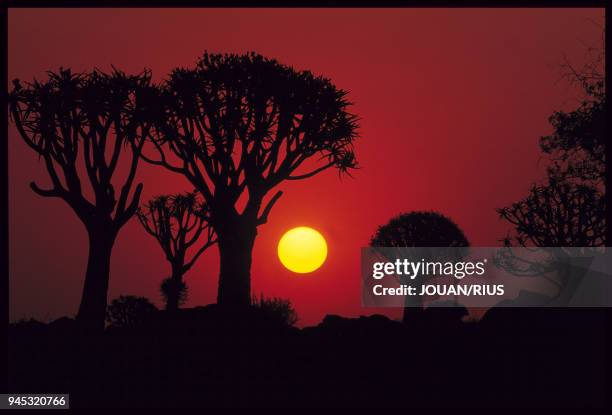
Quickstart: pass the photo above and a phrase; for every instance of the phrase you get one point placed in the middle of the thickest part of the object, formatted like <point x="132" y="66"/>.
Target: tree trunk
<point x="413" y="310"/>
<point x="172" y="302"/>
<point x="413" y="305"/>
<point x="92" y="311"/>
<point x="236" y="243"/>
<point x="174" y="294"/>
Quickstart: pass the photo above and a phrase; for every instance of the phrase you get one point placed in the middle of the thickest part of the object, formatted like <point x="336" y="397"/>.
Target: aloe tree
<point x="568" y="208"/>
<point x="237" y="126"/>
<point x="421" y="231"/>
<point x="178" y="223"/>
<point x="82" y="126"/>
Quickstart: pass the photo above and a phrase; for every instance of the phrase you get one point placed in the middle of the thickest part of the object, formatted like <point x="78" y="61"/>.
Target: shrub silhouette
<point x="236" y="127"/>
<point x="128" y="311"/>
<point x="276" y="309"/>
<point x="92" y="119"/>
<point x="177" y="223"/>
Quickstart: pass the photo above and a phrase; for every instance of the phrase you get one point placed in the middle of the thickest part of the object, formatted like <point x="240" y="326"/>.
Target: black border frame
<point x="19" y="4"/>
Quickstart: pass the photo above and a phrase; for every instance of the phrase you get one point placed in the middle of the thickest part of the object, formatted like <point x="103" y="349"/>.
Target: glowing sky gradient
<point x="452" y="104"/>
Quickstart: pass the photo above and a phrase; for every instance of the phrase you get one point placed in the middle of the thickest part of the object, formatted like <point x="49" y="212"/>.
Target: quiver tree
<point x="577" y="146"/>
<point x="558" y="214"/>
<point x="421" y="231"/>
<point x="236" y="126"/>
<point x="561" y="214"/>
<point x="178" y="223"/>
<point x="81" y="126"/>
<point x="569" y="209"/>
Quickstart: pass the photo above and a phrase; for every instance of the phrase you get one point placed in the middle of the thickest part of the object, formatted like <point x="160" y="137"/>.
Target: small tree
<point x="236" y="126"/>
<point x="177" y="223"/>
<point x="81" y="125"/>
<point x="421" y="230"/>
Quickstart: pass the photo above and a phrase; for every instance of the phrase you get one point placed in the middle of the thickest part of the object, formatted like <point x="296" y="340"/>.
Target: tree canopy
<point x="236" y="126"/>
<point x="419" y="229"/>
<point x="92" y="117"/>
<point x="237" y="122"/>
<point x="569" y="207"/>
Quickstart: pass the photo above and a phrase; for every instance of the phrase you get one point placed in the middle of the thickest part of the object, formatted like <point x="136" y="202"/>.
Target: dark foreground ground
<point x="204" y="357"/>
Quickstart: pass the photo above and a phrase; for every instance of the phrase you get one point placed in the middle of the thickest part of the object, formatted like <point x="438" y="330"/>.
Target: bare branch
<point x="46" y="193"/>
<point x="310" y="174"/>
<point x="264" y="215"/>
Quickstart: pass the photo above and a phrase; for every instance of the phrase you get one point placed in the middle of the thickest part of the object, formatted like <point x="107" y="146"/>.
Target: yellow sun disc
<point x="302" y="250"/>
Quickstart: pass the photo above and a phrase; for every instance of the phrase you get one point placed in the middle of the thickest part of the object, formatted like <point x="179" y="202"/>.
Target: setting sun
<point x="302" y="250"/>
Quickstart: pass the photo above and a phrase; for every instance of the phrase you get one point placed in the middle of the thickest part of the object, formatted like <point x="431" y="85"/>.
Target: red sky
<point x="452" y="104"/>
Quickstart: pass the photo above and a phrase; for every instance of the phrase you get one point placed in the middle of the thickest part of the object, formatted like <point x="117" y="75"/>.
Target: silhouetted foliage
<point x="278" y="309"/>
<point x="236" y="126"/>
<point x="421" y="230"/>
<point x="128" y="311"/>
<point x="177" y="223"/>
<point x="174" y="292"/>
<point x="93" y="120"/>
<point x="569" y="208"/>
<point x="560" y="213"/>
<point x="577" y="145"/>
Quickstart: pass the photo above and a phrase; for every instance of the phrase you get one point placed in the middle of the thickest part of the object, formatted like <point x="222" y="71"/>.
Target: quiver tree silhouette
<point x="236" y="126"/>
<point x="561" y="214"/>
<point x="576" y="148"/>
<point x="82" y="126"/>
<point x="569" y="208"/>
<point x="178" y="223"/>
<point x="421" y="230"/>
<point x="558" y="214"/>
